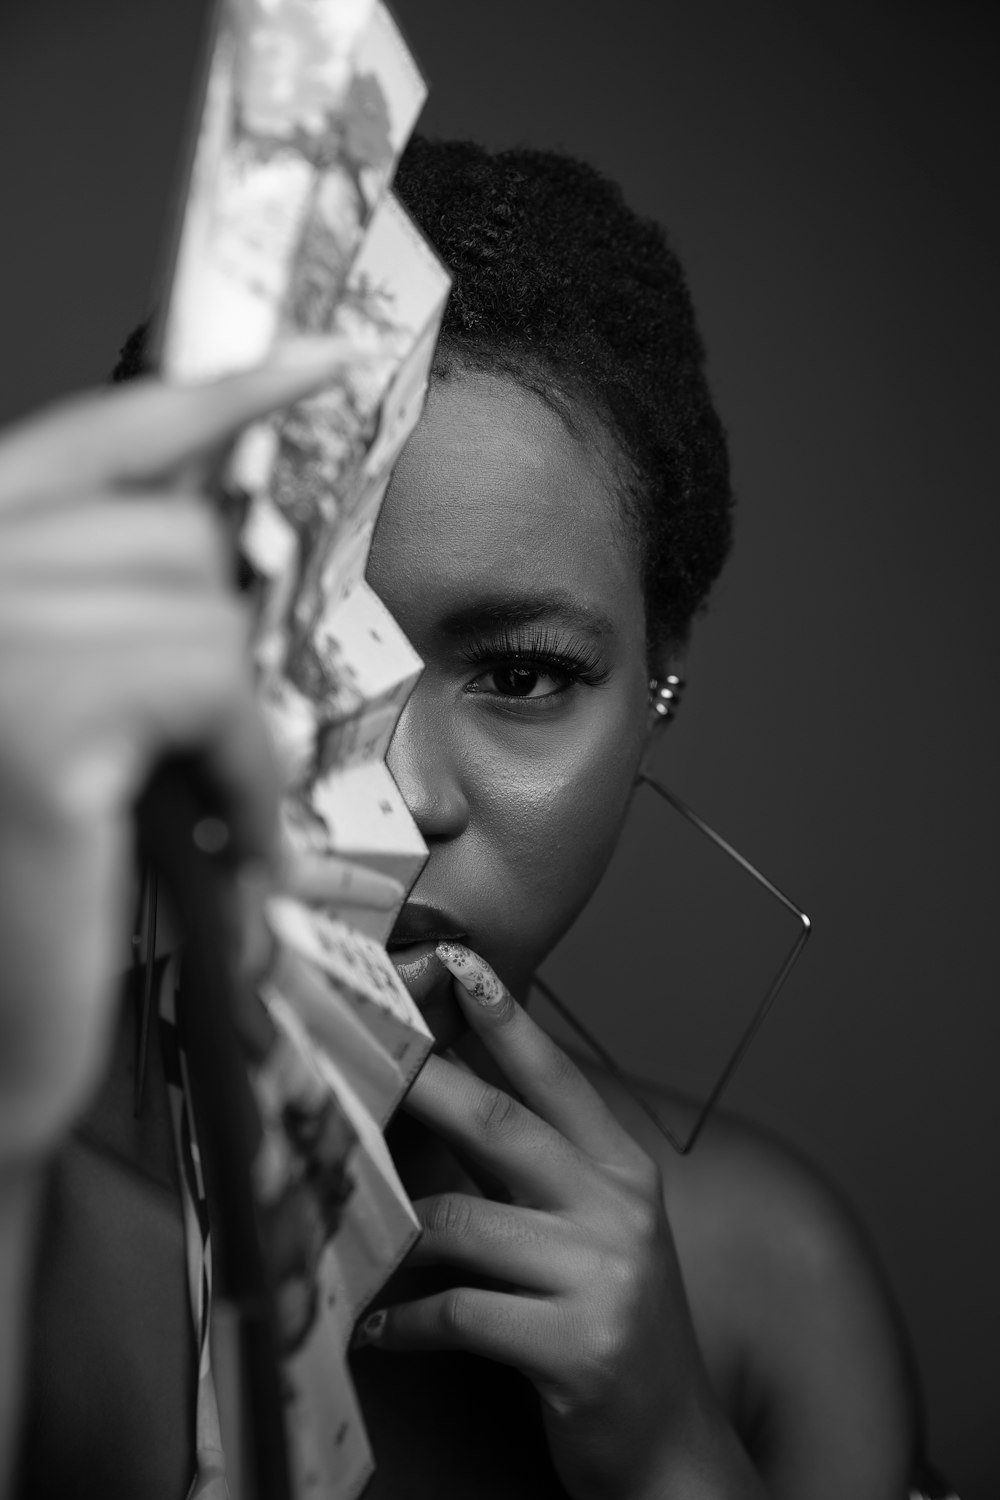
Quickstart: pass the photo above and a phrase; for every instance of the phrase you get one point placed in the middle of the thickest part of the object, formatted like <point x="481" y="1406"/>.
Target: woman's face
<point x="501" y="552"/>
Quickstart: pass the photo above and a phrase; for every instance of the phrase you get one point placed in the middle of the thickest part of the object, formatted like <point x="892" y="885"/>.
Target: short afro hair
<point x="560" y="286"/>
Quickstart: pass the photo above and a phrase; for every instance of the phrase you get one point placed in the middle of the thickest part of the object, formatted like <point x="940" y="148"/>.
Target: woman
<point x="617" y="1321"/>
<point x="549" y="533"/>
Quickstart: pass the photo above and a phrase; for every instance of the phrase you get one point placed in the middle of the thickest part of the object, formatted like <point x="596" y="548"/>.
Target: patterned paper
<point x="360" y="977"/>
<point x="289" y="226"/>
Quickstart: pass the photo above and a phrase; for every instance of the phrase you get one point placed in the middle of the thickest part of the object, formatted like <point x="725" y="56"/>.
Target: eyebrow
<point x="510" y="610"/>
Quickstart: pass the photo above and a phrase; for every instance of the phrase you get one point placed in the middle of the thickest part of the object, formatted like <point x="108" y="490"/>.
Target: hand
<point x="120" y="638"/>
<point x="590" y="1304"/>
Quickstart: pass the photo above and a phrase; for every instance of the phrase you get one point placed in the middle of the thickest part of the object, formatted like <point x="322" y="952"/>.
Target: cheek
<point x="546" y="822"/>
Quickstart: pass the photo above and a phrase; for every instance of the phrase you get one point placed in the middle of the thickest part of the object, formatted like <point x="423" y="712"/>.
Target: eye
<point x="537" y="669"/>
<point x="521" y="680"/>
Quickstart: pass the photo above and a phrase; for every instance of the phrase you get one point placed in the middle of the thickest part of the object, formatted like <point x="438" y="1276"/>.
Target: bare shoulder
<point x="792" y="1309"/>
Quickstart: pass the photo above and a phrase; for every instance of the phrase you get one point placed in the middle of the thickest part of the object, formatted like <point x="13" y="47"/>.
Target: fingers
<point x="512" y="1330"/>
<point x="63" y="927"/>
<point x="140" y="432"/>
<point x="238" y="757"/>
<point x="540" y="1072"/>
<point x="332" y="881"/>
<point x="537" y="1164"/>
<point x="127" y="677"/>
<point x="529" y="1249"/>
<point x="173" y="541"/>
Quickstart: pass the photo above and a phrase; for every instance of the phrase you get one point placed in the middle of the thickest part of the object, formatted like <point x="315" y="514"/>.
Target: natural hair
<point x="561" y="287"/>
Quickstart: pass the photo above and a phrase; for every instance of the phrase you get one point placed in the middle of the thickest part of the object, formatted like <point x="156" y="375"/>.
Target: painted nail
<point x="473" y="973"/>
<point x="369" y="1330"/>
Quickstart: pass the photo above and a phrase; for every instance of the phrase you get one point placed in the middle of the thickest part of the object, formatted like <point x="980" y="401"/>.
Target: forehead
<point x="493" y="492"/>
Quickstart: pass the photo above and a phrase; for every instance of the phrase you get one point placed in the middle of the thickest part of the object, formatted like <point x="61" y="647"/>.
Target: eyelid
<point x="536" y="646"/>
<point x="542" y="671"/>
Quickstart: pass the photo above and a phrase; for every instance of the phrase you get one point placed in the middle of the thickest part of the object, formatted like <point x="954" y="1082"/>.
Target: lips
<point x="418" y="923"/>
<point x="411" y="947"/>
<point x="418" y="968"/>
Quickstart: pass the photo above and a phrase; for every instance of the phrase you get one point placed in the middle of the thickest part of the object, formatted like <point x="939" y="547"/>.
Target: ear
<point x="666" y="689"/>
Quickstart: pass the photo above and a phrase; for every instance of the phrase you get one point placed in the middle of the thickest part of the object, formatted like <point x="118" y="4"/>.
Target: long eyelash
<point x="540" y="648"/>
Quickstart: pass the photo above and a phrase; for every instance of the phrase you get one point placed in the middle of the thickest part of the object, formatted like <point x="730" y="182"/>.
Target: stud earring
<point x="665" y="695"/>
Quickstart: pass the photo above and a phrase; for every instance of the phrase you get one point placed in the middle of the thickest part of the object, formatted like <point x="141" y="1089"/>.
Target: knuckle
<point x="496" y="1113"/>
<point x="618" y="1273"/>
<point x="456" y="1314"/>
<point x="605" y="1343"/>
<point x="637" y="1208"/>
<point x="645" y="1180"/>
<point x="448" y="1217"/>
<point x="643" y="1216"/>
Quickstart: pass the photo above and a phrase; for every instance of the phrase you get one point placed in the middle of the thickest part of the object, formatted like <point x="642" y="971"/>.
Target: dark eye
<point x="522" y="682"/>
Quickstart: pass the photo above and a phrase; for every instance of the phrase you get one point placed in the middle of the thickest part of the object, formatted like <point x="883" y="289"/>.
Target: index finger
<point x="504" y="1137"/>
<point x="143" y="431"/>
<point x="541" y="1073"/>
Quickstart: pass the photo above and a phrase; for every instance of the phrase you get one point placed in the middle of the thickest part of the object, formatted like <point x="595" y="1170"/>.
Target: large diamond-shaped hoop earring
<point x="664" y="700"/>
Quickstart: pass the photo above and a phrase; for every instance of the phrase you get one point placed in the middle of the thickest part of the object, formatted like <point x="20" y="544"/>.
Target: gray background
<point x="827" y="172"/>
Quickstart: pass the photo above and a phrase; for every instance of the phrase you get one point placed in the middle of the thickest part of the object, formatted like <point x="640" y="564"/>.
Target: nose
<point x="425" y="768"/>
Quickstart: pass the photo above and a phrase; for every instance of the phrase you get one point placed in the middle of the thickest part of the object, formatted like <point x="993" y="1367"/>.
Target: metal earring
<point x="665" y="695"/>
<point x="684" y="1144"/>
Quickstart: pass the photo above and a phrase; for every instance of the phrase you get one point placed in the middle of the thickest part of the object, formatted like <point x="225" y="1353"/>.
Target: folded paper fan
<point x="289" y="226"/>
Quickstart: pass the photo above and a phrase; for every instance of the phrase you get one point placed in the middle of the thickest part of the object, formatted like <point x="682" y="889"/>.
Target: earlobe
<point x="663" y="700"/>
<point x="665" y="693"/>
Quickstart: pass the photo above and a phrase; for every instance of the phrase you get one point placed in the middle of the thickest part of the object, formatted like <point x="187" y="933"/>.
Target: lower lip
<point x="418" y="967"/>
<point x="429" y="984"/>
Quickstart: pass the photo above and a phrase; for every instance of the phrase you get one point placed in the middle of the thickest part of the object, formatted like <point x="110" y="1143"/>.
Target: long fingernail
<point x="473" y="973"/>
<point x="369" y="1330"/>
